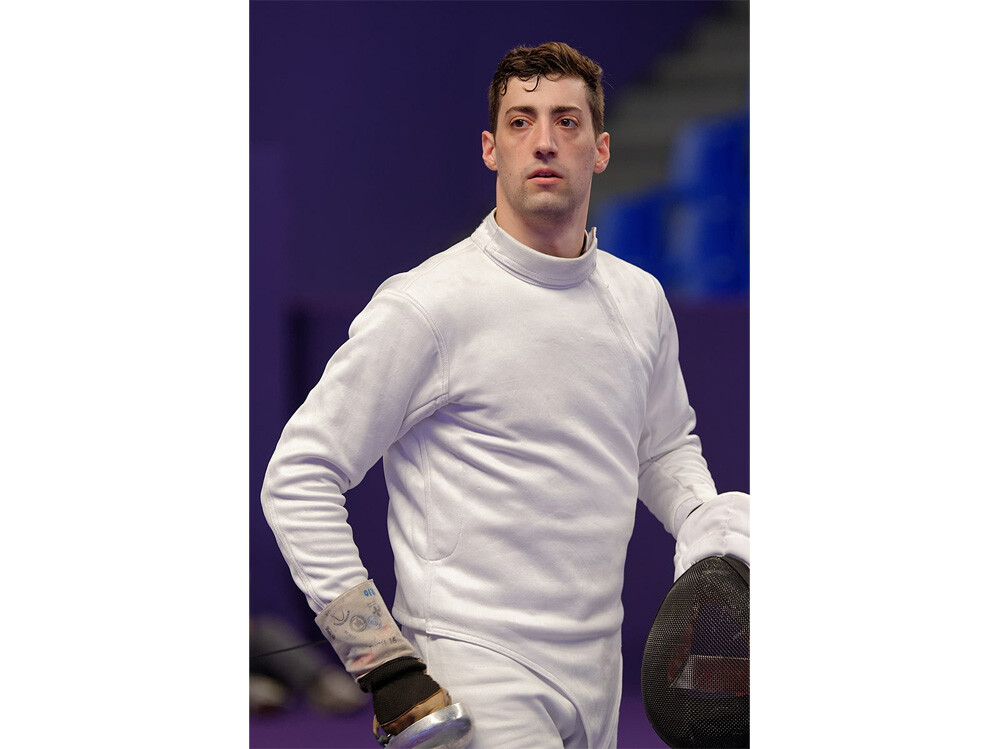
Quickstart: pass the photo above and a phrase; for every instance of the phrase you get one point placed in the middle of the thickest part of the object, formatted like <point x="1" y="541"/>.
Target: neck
<point x="560" y="238"/>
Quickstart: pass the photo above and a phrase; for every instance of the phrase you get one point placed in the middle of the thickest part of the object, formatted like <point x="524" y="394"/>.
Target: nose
<point x="545" y="145"/>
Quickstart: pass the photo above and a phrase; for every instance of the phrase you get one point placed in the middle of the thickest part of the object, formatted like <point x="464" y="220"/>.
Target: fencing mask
<point x="696" y="664"/>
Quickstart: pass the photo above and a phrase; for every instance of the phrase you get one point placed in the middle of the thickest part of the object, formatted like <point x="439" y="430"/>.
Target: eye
<point x="519" y="123"/>
<point x="567" y="122"/>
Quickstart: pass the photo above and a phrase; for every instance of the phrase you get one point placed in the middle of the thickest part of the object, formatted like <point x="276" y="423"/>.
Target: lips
<point x="545" y="174"/>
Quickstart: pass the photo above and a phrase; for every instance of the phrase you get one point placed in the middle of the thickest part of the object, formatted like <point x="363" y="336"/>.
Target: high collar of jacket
<point x="531" y="265"/>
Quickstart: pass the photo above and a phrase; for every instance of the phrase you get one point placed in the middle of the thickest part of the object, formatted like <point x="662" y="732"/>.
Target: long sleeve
<point x="673" y="476"/>
<point x="388" y="375"/>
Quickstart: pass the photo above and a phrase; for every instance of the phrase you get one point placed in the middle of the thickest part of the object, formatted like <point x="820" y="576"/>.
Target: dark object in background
<point x="277" y="679"/>
<point x="696" y="664"/>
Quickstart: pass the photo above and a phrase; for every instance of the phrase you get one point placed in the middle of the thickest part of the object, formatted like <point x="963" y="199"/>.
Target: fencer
<point x="523" y="389"/>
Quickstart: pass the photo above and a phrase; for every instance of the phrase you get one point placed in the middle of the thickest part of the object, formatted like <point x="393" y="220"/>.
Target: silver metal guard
<point x="447" y="728"/>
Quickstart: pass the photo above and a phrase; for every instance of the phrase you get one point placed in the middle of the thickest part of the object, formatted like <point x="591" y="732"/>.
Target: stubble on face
<point x="545" y="125"/>
<point x="546" y="205"/>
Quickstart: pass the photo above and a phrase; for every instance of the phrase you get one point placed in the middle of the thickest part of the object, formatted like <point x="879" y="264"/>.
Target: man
<point x="523" y="387"/>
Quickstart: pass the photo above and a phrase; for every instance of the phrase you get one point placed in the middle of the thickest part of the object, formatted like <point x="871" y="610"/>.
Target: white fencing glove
<point x="719" y="527"/>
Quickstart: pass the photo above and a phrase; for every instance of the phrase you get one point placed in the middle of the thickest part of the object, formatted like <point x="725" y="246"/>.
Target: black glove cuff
<point x="389" y="672"/>
<point x="398" y="686"/>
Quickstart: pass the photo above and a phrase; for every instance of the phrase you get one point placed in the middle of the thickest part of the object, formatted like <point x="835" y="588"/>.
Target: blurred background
<point x="365" y="122"/>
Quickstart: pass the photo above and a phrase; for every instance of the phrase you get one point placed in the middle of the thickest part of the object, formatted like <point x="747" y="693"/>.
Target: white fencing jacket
<point x="521" y="402"/>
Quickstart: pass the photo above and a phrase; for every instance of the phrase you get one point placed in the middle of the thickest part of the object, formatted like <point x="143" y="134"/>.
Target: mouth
<point x="544" y="176"/>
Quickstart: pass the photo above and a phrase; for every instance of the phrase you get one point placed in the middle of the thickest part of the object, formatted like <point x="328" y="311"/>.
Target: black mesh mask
<point x="696" y="664"/>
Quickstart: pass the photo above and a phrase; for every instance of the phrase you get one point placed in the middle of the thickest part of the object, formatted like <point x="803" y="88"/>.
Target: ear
<point x="489" y="148"/>
<point x="603" y="153"/>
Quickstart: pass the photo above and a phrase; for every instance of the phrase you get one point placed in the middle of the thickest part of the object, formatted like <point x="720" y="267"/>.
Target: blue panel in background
<point x="693" y="231"/>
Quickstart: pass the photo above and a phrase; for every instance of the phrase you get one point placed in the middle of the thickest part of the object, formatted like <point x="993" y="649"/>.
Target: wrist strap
<point x="362" y="631"/>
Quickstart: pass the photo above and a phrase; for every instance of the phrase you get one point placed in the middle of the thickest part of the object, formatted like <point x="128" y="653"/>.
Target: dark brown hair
<point x="553" y="60"/>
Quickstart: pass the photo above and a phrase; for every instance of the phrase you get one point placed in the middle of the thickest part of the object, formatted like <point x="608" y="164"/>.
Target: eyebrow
<point x="526" y="109"/>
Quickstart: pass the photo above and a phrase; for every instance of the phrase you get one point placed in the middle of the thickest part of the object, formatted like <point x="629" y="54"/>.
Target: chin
<point x="549" y="206"/>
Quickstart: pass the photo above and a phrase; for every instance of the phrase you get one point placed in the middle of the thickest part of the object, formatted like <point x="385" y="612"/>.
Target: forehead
<point x="548" y="93"/>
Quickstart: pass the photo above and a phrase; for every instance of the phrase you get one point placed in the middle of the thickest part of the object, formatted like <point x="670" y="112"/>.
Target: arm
<point x="386" y="377"/>
<point x="674" y="480"/>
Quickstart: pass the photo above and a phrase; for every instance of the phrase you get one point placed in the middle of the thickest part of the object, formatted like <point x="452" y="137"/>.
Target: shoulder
<point x="436" y="275"/>
<point x="630" y="278"/>
<point x="429" y="292"/>
<point x="639" y="295"/>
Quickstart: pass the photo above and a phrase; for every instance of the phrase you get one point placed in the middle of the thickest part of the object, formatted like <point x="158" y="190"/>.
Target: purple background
<point x="365" y="159"/>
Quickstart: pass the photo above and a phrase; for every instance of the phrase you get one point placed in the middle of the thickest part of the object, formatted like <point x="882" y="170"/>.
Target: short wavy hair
<point x="553" y="60"/>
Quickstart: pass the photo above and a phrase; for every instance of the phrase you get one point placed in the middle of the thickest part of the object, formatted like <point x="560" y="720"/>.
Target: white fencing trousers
<point x="514" y="706"/>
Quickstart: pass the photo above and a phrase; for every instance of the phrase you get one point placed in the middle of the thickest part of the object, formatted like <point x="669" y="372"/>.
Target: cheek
<point x="588" y="158"/>
<point x="506" y="161"/>
<point x="505" y="152"/>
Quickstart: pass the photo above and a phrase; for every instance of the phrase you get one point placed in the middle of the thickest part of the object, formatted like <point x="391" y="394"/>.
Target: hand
<point x="402" y="693"/>
<point x="718" y="527"/>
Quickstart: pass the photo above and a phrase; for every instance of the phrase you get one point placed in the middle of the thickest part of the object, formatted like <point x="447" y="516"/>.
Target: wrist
<point x="362" y="632"/>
